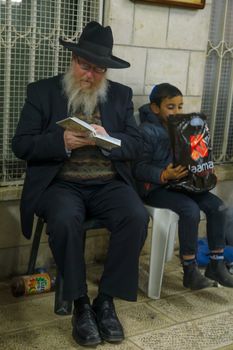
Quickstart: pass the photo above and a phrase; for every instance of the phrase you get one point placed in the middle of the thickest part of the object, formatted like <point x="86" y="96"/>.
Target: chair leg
<point x="159" y="242"/>
<point x="35" y="246"/>
<point x="61" y="307"/>
<point x="173" y="221"/>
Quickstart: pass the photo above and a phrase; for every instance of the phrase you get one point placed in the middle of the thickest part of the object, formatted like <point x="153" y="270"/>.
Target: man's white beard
<point x="83" y="101"/>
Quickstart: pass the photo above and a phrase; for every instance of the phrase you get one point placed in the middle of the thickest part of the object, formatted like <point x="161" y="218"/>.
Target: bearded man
<point x="68" y="177"/>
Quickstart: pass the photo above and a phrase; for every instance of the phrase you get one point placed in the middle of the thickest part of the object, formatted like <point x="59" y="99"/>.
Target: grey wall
<point x="163" y="44"/>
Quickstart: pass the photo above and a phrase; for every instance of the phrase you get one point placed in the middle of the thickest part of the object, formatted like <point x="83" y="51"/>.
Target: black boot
<point x="216" y="270"/>
<point x="193" y="278"/>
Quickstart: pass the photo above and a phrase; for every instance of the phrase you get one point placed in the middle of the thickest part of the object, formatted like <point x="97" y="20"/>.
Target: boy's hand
<point x="176" y="173"/>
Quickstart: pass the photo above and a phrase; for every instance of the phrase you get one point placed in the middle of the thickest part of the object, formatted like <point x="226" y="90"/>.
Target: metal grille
<point x="217" y="100"/>
<point x="29" y="50"/>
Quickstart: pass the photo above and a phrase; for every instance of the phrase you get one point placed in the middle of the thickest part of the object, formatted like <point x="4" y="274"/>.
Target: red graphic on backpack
<point x="199" y="147"/>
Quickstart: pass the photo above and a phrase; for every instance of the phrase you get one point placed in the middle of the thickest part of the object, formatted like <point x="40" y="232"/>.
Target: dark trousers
<point x="188" y="207"/>
<point x="64" y="207"/>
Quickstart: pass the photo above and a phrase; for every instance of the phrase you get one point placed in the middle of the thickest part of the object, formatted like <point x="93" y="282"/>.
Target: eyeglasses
<point x="87" y="67"/>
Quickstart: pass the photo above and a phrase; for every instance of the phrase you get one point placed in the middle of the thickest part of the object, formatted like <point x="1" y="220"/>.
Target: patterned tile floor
<point x="180" y="320"/>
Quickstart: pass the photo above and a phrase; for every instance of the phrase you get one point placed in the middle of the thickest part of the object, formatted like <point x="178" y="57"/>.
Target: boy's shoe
<point x="193" y="278"/>
<point x="216" y="270"/>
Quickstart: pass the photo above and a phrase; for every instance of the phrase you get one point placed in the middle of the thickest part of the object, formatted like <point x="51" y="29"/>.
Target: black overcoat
<point x="39" y="140"/>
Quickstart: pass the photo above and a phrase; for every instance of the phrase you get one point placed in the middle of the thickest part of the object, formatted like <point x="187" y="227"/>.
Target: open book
<point x="76" y="124"/>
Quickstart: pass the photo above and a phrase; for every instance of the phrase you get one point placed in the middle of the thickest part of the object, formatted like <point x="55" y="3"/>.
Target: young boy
<point x="154" y="169"/>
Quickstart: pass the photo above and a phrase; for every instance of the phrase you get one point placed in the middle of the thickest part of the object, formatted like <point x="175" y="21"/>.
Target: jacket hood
<point x="146" y="115"/>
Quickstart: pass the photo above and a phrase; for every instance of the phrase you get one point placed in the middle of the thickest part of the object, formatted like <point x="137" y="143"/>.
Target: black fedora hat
<point x="95" y="45"/>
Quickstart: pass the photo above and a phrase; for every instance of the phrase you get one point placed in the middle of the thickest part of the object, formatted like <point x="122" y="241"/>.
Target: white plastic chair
<point x="164" y="224"/>
<point x="163" y="232"/>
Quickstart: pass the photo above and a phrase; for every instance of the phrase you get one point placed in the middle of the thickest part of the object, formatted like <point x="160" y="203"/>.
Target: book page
<point x="75" y="124"/>
<point x="106" y="141"/>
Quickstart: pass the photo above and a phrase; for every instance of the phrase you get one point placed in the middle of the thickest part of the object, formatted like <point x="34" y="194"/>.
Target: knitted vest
<point x="87" y="164"/>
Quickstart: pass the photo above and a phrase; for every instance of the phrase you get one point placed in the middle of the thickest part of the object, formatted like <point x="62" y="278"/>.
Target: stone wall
<point x="163" y="44"/>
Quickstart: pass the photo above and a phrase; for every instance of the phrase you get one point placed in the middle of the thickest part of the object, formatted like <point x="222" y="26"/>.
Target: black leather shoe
<point x="109" y="325"/>
<point x="85" y="330"/>
<point x="216" y="270"/>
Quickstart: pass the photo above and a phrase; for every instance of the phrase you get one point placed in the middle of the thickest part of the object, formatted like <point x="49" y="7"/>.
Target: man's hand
<point x="100" y="129"/>
<point x="79" y="139"/>
<point x="176" y="173"/>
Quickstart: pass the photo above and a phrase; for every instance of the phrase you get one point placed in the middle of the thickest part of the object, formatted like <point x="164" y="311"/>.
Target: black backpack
<point x="190" y="140"/>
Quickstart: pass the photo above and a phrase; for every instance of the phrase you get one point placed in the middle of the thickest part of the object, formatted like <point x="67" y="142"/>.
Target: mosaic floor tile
<point x="26" y="313"/>
<point x="188" y="306"/>
<point x="204" y="334"/>
<point x="140" y="317"/>
<point x="125" y="345"/>
<point x="52" y="336"/>
<point x="180" y="320"/>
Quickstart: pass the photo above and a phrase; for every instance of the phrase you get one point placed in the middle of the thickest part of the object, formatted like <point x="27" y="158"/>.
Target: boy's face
<point x="169" y="106"/>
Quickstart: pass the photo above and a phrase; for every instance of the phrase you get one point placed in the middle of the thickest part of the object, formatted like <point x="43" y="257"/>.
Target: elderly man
<point x="68" y="177"/>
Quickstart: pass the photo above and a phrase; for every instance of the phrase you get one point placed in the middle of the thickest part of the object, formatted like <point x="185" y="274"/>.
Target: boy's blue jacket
<point x="156" y="154"/>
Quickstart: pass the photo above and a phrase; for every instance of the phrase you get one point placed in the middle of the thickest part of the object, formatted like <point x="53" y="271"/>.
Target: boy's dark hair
<point x="162" y="91"/>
